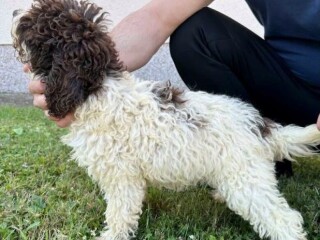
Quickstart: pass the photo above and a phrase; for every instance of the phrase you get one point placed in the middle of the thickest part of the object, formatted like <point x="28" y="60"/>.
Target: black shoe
<point x="284" y="168"/>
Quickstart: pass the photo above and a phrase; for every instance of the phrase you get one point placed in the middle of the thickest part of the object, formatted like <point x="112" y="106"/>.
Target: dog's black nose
<point x="16" y="12"/>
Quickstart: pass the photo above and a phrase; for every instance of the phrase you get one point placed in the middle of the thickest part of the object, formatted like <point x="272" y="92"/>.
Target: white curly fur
<point x="128" y="137"/>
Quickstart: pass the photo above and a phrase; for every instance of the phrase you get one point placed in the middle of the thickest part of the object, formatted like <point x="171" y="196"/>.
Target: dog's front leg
<point x="124" y="206"/>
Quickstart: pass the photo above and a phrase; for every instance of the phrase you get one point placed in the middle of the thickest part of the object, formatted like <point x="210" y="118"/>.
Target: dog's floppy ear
<point x="67" y="44"/>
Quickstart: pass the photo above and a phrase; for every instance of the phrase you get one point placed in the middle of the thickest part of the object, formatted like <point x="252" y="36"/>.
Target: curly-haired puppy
<point x="130" y="133"/>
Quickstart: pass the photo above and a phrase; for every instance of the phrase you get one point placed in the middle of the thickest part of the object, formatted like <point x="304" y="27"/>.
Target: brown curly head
<point x="67" y="45"/>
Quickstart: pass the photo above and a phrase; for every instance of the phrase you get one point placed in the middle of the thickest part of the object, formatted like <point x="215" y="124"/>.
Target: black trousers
<point x="213" y="53"/>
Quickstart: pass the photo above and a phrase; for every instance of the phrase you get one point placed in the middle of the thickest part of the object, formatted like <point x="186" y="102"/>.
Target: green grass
<point x="45" y="196"/>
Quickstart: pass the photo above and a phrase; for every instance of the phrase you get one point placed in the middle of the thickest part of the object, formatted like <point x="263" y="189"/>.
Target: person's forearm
<point x="140" y="35"/>
<point x="135" y="40"/>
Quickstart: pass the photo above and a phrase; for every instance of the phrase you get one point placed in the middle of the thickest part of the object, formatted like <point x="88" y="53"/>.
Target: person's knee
<point x="189" y="28"/>
<point x="197" y="30"/>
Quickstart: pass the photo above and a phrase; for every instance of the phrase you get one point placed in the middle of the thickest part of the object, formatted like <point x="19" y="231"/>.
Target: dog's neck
<point x="123" y="95"/>
<point x="120" y="93"/>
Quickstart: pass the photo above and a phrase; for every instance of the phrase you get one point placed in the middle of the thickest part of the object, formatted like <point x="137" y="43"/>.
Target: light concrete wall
<point x="118" y="9"/>
<point x="160" y="67"/>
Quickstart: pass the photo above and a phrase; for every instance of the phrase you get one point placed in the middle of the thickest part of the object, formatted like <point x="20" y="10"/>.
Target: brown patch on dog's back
<point x="265" y="128"/>
<point x="171" y="98"/>
<point x="166" y="93"/>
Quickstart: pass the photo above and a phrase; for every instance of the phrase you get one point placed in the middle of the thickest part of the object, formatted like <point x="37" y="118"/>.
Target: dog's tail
<point x="293" y="141"/>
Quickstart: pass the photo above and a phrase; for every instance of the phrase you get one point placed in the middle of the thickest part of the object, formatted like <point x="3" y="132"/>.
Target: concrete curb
<point x="15" y="99"/>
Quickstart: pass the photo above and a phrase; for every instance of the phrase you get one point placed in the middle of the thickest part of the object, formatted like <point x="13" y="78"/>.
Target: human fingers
<point x="62" y="122"/>
<point x="36" y="87"/>
<point x="26" y="68"/>
<point x="39" y="101"/>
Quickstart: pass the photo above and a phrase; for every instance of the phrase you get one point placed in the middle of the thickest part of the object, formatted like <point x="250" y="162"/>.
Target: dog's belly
<point x="173" y="181"/>
<point x="181" y="170"/>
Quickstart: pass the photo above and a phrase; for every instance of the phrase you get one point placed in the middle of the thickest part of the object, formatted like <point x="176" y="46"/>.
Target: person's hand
<point x="318" y="122"/>
<point x="37" y="89"/>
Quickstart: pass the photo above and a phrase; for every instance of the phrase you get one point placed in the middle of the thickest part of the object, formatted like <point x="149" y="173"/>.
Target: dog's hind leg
<point x="250" y="190"/>
<point x="124" y="207"/>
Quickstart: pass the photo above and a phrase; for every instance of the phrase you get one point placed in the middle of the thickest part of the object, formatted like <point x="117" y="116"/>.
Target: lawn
<point x="43" y="195"/>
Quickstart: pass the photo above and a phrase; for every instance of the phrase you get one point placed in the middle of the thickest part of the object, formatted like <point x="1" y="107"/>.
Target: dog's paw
<point x="108" y="235"/>
<point x="217" y="196"/>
